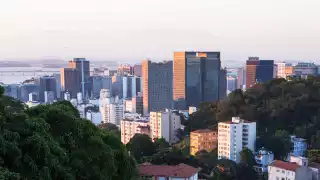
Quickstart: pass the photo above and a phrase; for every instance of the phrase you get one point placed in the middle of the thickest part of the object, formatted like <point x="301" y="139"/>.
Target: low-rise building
<point x="263" y="158"/>
<point x="203" y="139"/>
<point x="178" y="172"/>
<point x="281" y="170"/>
<point x="299" y="146"/>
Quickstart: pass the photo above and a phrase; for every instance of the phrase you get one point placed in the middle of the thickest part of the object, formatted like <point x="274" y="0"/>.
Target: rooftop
<point x="203" y="131"/>
<point x="232" y="122"/>
<point x="178" y="171"/>
<point x="290" y="166"/>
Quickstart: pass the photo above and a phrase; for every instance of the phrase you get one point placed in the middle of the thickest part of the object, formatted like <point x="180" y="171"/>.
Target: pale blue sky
<point x="130" y="30"/>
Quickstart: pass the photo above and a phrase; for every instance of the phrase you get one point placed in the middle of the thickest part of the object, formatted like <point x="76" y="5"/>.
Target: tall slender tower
<point x="157" y="85"/>
<point x="195" y="78"/>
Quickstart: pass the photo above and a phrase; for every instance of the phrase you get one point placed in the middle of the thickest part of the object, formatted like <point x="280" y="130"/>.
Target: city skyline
<point x="127" y="31"/>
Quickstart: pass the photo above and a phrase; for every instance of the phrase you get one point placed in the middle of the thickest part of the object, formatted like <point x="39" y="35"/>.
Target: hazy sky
<point x="130" y="30"/>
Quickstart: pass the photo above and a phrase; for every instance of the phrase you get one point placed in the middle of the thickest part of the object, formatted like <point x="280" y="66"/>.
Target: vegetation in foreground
<point x="51" y="142"/>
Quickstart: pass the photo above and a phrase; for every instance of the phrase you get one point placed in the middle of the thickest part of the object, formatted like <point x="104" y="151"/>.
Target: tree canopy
<point x="51" y="142"/>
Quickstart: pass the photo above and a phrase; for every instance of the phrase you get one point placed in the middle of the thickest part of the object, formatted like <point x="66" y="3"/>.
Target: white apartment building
<point x="128" y="106"/>
<point x="297" y="169"/>
<point x="94" y="117"/>
<point x="281" y="70"/>
<point x="192" y="109"/>
<point x="164" y="124"/>
<point x="130" y="127"/>
<point x="111" y="109"/>
<point x="233" y="136"/>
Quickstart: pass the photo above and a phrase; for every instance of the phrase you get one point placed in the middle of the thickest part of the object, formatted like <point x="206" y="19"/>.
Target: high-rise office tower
<point x="70" y="81"/>
<point x="157" y="85"/>
<point x="258" y="71"/>
<point x="82" y="67"/>
<point x="48" y="97"/>
<point x="99" y="82"/>
<point x="241" y="78"/>
<point x="223" y="83"/>
<point x="131" y="86"/>
<point x="46" y="83"/>
<point x="231" y="83"/>
<point x="195" y="78"/>
<point x="117" y="86"/>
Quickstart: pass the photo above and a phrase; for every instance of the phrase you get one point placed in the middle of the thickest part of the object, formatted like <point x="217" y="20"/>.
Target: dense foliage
<point x="292" y="107"/>
<point x="51" y="142"/>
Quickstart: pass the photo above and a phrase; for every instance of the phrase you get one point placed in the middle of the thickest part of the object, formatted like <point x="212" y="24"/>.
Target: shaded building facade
<point x="258" y="71"/>
<point x="46" y="83"/>
<point x="157" y="85"/>
<point x="196" y="77"/>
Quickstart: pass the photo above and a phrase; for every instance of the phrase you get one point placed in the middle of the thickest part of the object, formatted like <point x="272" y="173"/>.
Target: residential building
<point x="178" y="172"/>
<point x="281" y="70"/>
<point x="202" y="139"/>
<point x="111" y="109"/>
<point x="157" y="85"/>
<point x="164" y="124"/>
<point x="130" y="127"/>
<point x="315" y="168"/>
<point x="192" y="109"/>
<point x="128" y="106"/>
<point x="196" y="78"/>
<point x="94" y="117"/>
<point x="280" y="170"/>
<point x="305" y="68"/>
<point x="299" y="146"/>
<point x="233" y="136"/>
<point x="289" y="69"/>
<point x="258" y="71"/>
<point x="263" y="158"/>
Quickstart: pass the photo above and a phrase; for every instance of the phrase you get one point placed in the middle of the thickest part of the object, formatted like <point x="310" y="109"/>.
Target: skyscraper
<point x="157" y="85"/>
<point x="70" y="81"/>
<point x="46" y="83"/>
<point x="241" y="78"/>
<point x="258" y="71"/>
<point x="196" y="77"/>
<point x="82" y="67"/>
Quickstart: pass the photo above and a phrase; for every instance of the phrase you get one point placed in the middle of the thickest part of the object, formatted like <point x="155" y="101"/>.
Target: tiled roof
<point x="203" y="131"/>
<point x="178" y="171"/>
<point x="290" y="166"/>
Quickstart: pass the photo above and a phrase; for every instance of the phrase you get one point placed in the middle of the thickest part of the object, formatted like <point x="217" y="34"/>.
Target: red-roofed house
<point x="166" y="172"/>
<point x="280" y="170"/>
